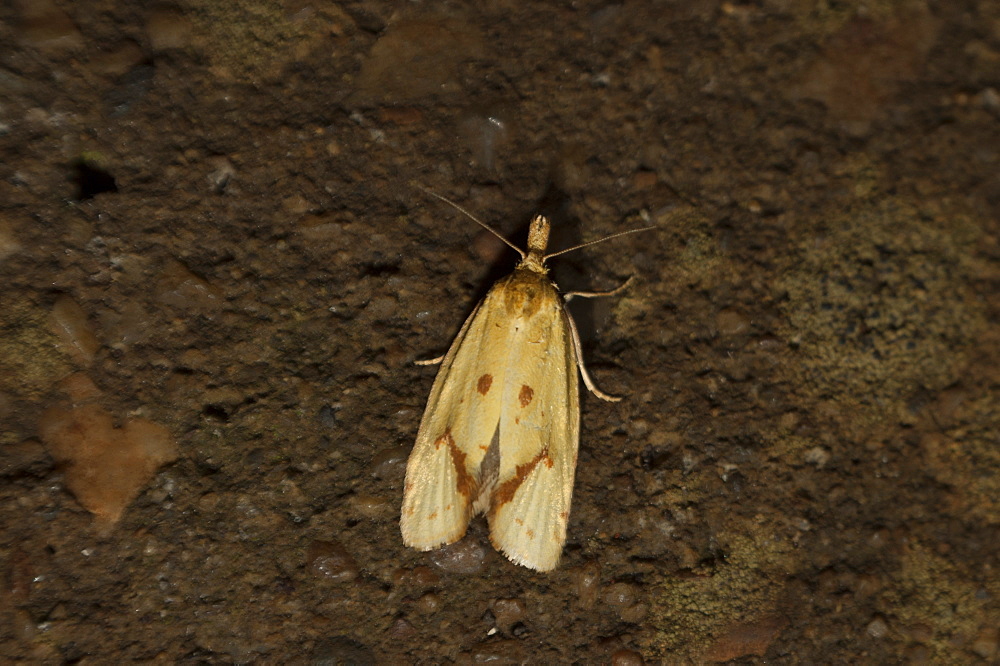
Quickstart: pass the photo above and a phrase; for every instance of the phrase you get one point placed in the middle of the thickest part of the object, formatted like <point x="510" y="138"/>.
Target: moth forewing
<point x="539" y="437"/>
<point x="501" y="430"/>
<point x="442" y="474"/>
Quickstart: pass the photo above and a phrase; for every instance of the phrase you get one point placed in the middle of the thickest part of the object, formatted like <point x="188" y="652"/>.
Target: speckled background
<point x="217" y="270"/>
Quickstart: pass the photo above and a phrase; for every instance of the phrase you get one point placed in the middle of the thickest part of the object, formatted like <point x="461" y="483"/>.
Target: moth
<point x="501" y="430"/>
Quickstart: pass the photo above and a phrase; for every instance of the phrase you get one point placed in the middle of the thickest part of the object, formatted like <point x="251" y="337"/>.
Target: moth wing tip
<point x="539" y="562"/>
<point x="424" y="542"/>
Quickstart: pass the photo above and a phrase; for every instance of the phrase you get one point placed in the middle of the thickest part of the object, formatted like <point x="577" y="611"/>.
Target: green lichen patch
<point x="879" y="306"/>
<point x="691" y="613"/>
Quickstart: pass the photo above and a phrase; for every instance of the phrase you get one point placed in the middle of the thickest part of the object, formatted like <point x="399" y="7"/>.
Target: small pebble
<point x="742" y="639"/>
<point x="370" y="506"/>
<point x="429" y="603"/>
<point x="330" y="560"/>
<point x="625" y="657"/>
<point x="817" y="456"/>
<point x="643" y="179"/>
<point x="484" y="136"/>
<point x="877" y="628"/>
<point x="731" y="322"/>
<point x="417" y="577"/>
<point x="619" y="594"/>
<point x="986" y="643"/>
<point x="178" y="287"/>
<point x="465" y="557"/>
<point x="390" y="463"/>
<point x="507" y="613"/>
<point x="222" y="173"/>
<point x="401" y="630"/>
<point x="588" y="584"/>
<point x="44" y="26"/>
<point x="69" y="323"/>
<point x="167" y="28"/>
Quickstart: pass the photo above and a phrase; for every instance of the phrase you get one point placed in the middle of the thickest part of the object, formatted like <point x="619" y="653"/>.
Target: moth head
<point x="538" y="240"/>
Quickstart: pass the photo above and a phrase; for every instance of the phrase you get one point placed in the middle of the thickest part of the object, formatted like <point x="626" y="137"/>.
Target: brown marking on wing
<point x="464" y="482"/>
<point x="531" y="534"/>
<point x="525" y="396"/>
<point x="564" y="515"/>
<point x="432" y="516"/>
<point x="506" y="490"/>
<point x="484" y="383"/>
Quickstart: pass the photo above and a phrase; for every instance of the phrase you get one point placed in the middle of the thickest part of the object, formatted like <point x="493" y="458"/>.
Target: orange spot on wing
<point x="484" y="383"/>
<point x="531" y="534"/>
<point x="432" y="516"/>
<point x="526" y="394"/>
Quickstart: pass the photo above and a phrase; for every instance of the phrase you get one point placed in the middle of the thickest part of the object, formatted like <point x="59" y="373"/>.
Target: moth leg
<point x="595" y="294"/>
<point x="430" y="361"/>
<point x="579" y="361"/>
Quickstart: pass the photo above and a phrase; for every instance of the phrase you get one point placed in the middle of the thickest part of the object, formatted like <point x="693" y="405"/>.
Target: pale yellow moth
<point x="502" y="425"/>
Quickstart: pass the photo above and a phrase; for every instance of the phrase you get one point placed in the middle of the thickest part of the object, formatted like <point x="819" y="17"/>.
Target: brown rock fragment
<point x="69" y="323"/>
<point x="44" y="26"/>
<point x="624" y="657"/>
<point x="744" y="638"/>
<point x="78" y="387"/>
<point x="106" y="467"/>
<point x="329" y="559"/>
<point x="588" y="584"/>
<point x="179" y="288"/>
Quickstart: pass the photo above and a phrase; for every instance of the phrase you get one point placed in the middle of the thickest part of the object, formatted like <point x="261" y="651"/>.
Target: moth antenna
<point x="599" y="240"/>
<point x="473" y="218"/>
